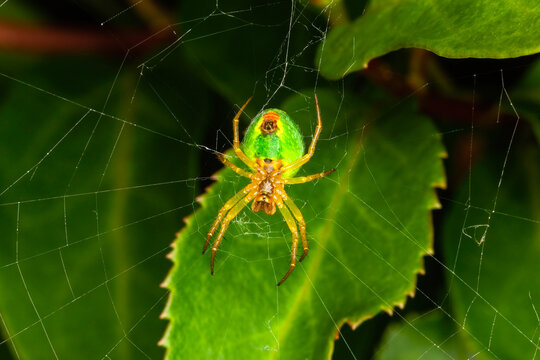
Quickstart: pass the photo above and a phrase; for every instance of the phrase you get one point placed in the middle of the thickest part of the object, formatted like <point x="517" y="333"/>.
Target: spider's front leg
<point x="236" y="141"/>
<point x="304" y="159"/>
<point x="304" y="179"/>
<point x="235" y="168"/>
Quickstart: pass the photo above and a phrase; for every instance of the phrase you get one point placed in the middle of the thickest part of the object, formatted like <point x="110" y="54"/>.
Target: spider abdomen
<point x="274" y="135"/>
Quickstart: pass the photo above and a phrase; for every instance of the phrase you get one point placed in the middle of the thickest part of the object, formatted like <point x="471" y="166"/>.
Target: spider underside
<point x="266" y="190"/>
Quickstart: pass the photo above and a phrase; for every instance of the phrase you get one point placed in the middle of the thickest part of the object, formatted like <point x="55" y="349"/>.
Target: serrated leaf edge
<point x="354" y="323"/>
<point x="165" y="314"/>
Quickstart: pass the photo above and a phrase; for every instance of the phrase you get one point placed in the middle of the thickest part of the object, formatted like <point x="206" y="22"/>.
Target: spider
<point x="274" y="150"/>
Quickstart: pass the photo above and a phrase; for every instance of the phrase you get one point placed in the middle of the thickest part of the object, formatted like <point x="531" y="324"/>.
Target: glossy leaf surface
<point x="449" y="28"/>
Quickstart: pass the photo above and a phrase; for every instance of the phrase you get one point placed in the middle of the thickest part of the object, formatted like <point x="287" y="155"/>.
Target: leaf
<point x="78" y="234"/>
<point x="429" y="336"/>
<point x="368" y="226"/>
<point x="495" y="289"/>
<point x="449" y="28"/>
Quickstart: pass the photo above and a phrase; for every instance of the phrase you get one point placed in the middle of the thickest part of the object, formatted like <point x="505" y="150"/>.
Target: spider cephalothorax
<point x="269" y="183"/>
<point x="274" y="150"/>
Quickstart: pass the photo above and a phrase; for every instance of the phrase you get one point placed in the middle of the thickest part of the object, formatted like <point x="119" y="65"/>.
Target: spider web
<point x="75" y="172"/>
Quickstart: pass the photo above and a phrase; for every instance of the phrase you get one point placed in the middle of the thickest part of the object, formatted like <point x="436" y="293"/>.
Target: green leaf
<point x="429" y="336"/>
<point x="78" y="232"/>
<point x="449" y="28"/>
<point x="495" y="291"/>
<point x="368" y="225"/>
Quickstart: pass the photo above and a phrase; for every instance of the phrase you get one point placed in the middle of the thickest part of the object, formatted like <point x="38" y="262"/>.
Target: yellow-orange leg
<point x="301" y="224"/>
<point x="228" y="205"/>
<point x="304" y="159"/>
<point x="304" y="179"/>
<point x="236" y="141"/>
<point x="292" y="226"/>
<point x="230" y="215"/>
<point x="235" y="168"/>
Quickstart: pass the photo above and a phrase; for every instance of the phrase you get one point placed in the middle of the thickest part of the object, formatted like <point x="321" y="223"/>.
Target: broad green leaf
<point x="78" y="232"/>
<point x="449" y="28"/>
<point x="368" y="225"/>
<point x="495" y="291"/>
<point x="526" y="97"/>
<point x="429" y="336"/>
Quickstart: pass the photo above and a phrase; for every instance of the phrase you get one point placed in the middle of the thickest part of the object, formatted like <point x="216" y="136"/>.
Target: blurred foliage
<point x="527" y="97"/>
<point x="494" y="287"/>
<point x="86" y="224"/>
<point x="432" y="336"/>
<point x="103" y="155"/>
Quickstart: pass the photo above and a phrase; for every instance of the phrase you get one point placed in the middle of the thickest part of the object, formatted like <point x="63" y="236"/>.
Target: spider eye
<point x="269" y="126"/>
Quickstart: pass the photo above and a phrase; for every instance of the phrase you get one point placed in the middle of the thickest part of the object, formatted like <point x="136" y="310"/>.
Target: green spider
<point x="274" y="150"/>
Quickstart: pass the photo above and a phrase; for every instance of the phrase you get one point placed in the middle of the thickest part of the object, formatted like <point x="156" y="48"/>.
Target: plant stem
<point x="63" y="40"/>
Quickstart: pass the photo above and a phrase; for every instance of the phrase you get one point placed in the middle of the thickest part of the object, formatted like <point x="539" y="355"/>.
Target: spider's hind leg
<point x="230" y="215"/>
<point x="301" y="224"/>
<point x="221" y="214"/>
<point x="292" y="226"/>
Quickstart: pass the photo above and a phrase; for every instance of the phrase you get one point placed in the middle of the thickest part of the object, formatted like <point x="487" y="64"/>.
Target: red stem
<point x="61" y="40"/>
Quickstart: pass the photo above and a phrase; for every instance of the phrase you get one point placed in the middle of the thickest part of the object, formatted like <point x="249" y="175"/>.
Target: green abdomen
<point x="274" y="135"/>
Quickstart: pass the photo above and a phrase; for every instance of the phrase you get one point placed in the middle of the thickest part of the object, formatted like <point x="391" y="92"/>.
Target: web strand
<point x="276" y="79"/>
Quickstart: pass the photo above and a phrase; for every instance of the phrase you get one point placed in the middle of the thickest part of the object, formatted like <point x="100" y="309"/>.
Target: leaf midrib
<point x="314" y="265"/>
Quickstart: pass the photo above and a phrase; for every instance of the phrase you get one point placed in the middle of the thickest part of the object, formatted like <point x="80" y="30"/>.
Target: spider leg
<point x="236" y="142"/>
<point x="228" y="205"/>
<point x="303" y="179"/>
<point x="301" y="223"/>
<point x="235" y="168"/>
<point x="292" y="226"/>
<point x="304" y="159"/>
<point x="230" y="215"/>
